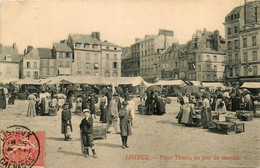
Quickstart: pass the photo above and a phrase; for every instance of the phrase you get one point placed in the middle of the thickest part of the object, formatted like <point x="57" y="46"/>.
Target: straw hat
<point x="86" y="111"/>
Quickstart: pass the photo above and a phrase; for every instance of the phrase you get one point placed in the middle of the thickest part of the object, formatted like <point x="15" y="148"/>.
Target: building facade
<point x="200" y="59"/>
<point x="94" y="57"/>
<point x="150" y="49"/>
<point x="63" y="54"/>
<point x="242" y="33"/>
<point x="48" y="65"/>
<point x="30" y="65"/>
<point x="9" y="63"/>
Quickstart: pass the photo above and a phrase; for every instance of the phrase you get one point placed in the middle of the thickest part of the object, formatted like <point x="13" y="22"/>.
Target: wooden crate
<point x="222" y="127"/>
<point x="99" y="132"/>
<point x="245" y="115"/>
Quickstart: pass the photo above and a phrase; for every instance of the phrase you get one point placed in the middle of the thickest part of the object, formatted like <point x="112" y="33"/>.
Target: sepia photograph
<point x="130" y="83"/>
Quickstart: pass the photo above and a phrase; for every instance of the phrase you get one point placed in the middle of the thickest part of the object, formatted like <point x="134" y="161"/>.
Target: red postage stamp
<point x="21" y="147"/>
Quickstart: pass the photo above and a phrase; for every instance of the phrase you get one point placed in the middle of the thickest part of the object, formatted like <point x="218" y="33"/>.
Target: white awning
<point x="169" y="83"/>
<point x="253" y="85"/>
<point x="214" y="85"/>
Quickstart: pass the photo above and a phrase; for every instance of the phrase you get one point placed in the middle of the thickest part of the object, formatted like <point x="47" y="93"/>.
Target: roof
<point x="83" y="38"/>
<point x="62" y="47"/>
<point x="33" y="54"/>
<point x="169" y="83"/>
<point x="10" y="51"/>
<point x="105" y="43"/>
<point x="45" y="53"/>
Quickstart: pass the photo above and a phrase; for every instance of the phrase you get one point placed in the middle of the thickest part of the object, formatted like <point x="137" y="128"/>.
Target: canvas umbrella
<point x="119" y="90"/>
<point x="190" y="89"/>
<point x="154" y="88"/>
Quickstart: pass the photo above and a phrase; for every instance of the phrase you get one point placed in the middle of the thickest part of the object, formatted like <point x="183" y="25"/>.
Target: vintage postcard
<point x="130" y="83"/>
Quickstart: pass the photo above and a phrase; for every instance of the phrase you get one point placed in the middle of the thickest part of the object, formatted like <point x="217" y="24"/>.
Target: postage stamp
<point x="21" y="147"/>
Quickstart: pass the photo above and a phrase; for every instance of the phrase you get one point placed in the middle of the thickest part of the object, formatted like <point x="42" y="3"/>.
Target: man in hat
<point x="113" y="110"/>
<point x="86" y="128"/>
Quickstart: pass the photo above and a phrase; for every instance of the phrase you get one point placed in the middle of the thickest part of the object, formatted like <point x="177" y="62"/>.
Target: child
<point x="86" y="128"/>
<point x="66" y="125"/>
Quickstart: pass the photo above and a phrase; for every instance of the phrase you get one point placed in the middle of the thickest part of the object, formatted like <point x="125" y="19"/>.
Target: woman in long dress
<point x="220" y="107"/>
<point x="187" y="112"/>
<point x="31" y="112"/>
<point x="103" y="109"/>
<point x="205" y="112"/>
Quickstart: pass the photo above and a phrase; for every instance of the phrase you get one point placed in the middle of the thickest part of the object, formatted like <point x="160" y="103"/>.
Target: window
<point x="36" y="74"/>
<point x="215" y="77"/>
<point x="86" y="45"/>
<point x="28" y="74"/>
<point x="95" y="46"/>
<point x="107" y="56"/>
<point x="254" y="70"/>
<point x="67" y="55"/>
<point x="115" y="48"/>
<point x="244" y="42"/>
<point x="87" y="56"/>
<point x="78" y="56"/>
<point x="95" y="66"/>
<point x="245" y="70"/>
<point x="199" y="67"/>
<point x="215" y="58"/>
<point x="236" y="57"/>
<point x="60" y="55"/>
<point x="60" y="64"/>
<point x="208" y="67"/>
<point x="87" y="66"/>
<point x="235" y="29"/>
<point x="115" y="56"/>
<point x="230" y="45"/>
<point x="236" y="44"/>
<point x="28" y="65"/>
<point x="230" y="72"/>
<point x="199" y="77"/>
<point x="67" y="63"/>
<point x="79" y="72"/>
<point x="35" y="65"/>
<point x="115" y="65"/>
<point x="237" y="71"/>
<point x="77" y="45"/>
<point x="254" y="41"/>
<point x="229" y="31"/>
<point x="107" y="48"/>
<point x="96" y="56"/>
<point x="215" y="67"/>
<point x="254" y="55"/>
<point x="199" y="57"/>
<point x="245" y="57"/>
<point x="208" y="58"/>
<point x="208" y="76"/>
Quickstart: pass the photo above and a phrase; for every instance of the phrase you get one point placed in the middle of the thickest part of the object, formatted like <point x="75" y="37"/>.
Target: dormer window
<point x="78" y="45"/>
<point x="86" y="45"/>
<point x="115" y="48"/>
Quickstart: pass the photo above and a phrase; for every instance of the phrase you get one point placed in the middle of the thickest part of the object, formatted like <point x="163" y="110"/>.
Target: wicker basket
<point x="230" y="118"/>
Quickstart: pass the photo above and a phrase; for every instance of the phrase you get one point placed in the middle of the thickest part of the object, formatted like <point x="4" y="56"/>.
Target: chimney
<point x="96" y="35"/>
<point x="137" y="39"/>
<point x="1" y="50"/>
<point x="14" y="46"/>
<point x="29" y="49"/>
<point x="24" y="52"/>
<point x="216" y="40"/>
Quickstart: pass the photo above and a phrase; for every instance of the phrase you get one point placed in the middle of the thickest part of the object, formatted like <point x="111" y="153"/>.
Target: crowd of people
<point x="154" y="103"/>
<point x="205" y="102"/>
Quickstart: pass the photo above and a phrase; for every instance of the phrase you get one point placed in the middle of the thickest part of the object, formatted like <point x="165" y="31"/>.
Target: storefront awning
<point x="253" y="85"/>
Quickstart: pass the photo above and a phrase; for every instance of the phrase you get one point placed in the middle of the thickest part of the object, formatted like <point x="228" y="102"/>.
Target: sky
<point x="41" y="23"/>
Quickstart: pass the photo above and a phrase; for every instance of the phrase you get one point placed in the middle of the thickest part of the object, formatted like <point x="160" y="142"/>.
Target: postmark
<point x="21" y="147"/>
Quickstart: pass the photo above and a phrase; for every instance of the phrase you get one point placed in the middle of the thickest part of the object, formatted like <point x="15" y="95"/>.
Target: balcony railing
<point x="233" y="61"/>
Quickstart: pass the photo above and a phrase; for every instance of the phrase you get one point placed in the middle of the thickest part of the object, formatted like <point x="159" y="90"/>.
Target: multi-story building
<point x="126" y="62"/>
<point x="201" y="59"/>
<point x="94" y="57"/>
<point x="110" y="59"/>
<point x="48" y="67"/>
<point x="135" y="58"/>
<point x="63" y="54"/>
<point x="30" y="65"/>
<point x="9" y="63"/>
<point x="150" y="49"/>
<point x="242" y="33"/>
